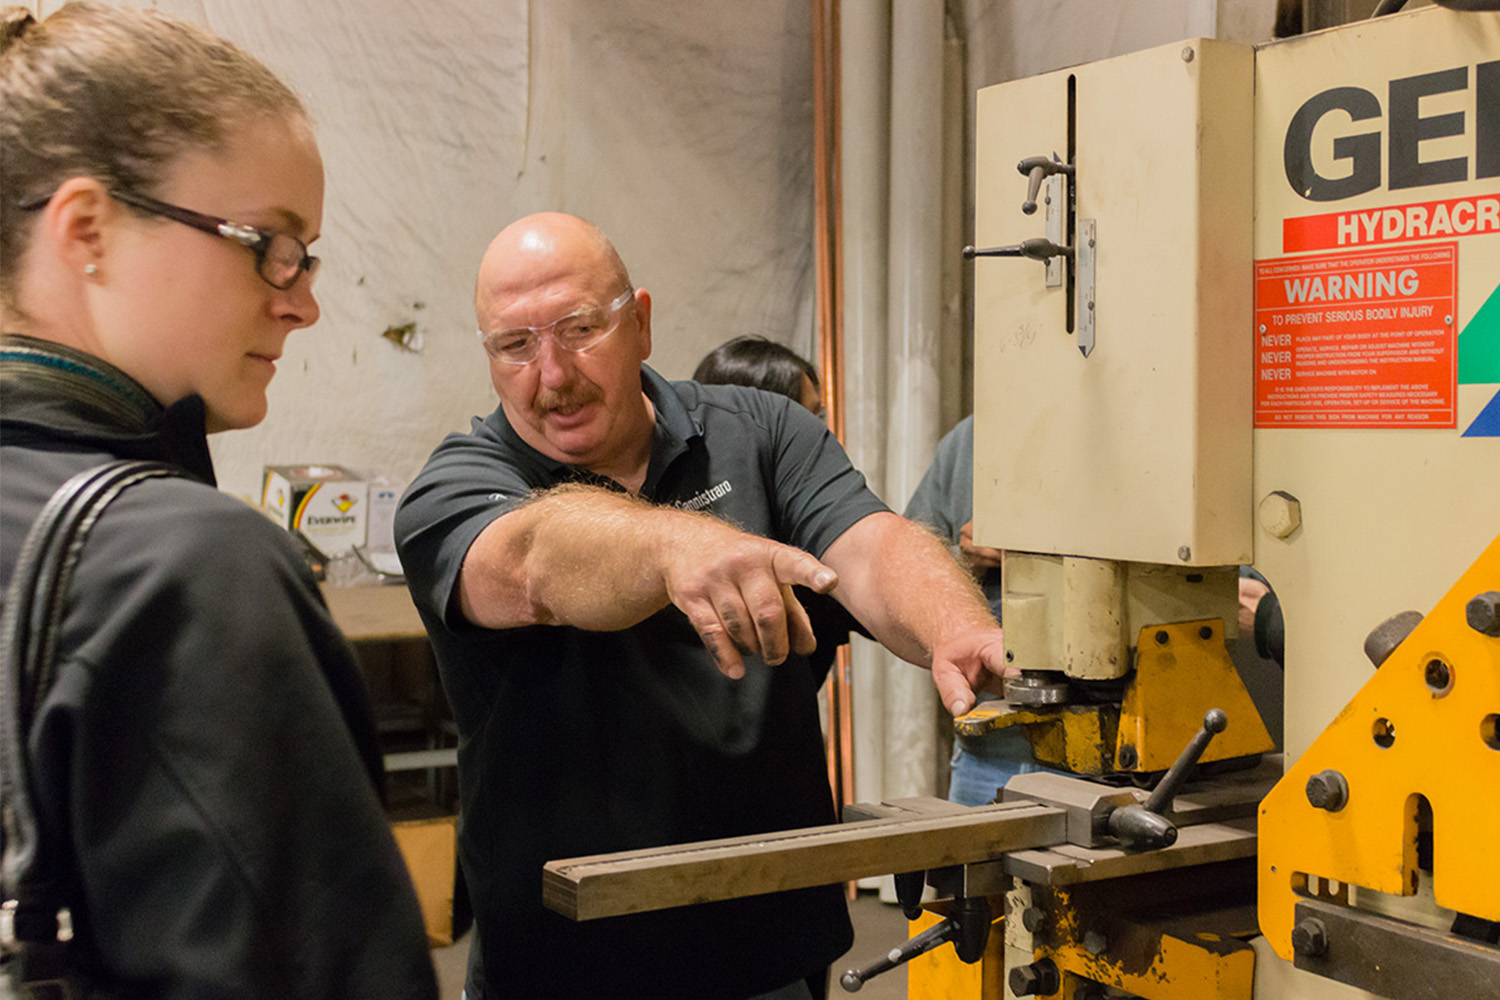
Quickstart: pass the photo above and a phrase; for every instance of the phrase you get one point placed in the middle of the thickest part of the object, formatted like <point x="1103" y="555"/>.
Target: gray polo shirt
<point x="577" y="742"/>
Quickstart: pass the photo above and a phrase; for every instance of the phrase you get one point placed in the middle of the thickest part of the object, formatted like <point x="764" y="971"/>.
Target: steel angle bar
<point x="607" y="885"/>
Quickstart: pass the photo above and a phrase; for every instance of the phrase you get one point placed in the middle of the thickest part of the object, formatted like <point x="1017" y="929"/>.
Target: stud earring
<point x="91" y="269"/>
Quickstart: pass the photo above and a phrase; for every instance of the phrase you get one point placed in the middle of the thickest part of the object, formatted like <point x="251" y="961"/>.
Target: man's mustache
<point x="571" y="398"/>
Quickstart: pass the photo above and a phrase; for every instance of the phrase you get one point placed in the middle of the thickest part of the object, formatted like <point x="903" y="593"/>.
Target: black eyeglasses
<point x="280" y="259"/>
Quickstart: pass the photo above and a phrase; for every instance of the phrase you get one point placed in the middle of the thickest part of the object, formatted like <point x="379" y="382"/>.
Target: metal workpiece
<point x="1068" y="865"/>
<point x="1385" y="637"/>
<point x="910" y="839"/>
<point x="1358" y="948"/>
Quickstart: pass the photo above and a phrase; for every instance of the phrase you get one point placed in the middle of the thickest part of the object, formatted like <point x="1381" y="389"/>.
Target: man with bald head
<point x="605" y="565"/>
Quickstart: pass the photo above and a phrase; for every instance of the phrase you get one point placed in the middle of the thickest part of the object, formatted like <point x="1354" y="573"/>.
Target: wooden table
<point x="387" y="633"/>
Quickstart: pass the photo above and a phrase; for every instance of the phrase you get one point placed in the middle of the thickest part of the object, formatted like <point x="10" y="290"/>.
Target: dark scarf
<point x="53" y="395"/>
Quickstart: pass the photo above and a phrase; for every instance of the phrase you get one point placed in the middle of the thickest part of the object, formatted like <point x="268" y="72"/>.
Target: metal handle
<point x="929" y="939"/>
<point x="1037" y="169"/>
<point x="1037" y="248"/>
<point x="968" y="928"/>
<point x="1143" y="826"/>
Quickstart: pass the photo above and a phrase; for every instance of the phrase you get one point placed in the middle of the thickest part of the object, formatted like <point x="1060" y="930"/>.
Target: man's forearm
<point x="575" y="555"/>
<point x="904" y="585"/>
<point x="597" y="560"/>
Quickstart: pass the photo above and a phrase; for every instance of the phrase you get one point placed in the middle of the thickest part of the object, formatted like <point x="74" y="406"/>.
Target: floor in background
<point x="877" y="928"/>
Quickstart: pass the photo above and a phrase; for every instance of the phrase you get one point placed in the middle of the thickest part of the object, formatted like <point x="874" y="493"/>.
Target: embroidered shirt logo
<point x="706" y="497"/>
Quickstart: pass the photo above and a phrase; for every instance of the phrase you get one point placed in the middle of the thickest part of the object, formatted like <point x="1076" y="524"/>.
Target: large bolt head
<point x="1483" y="613"/>
<point x="1310" y="937"/>
<point x="1280" y="513"/>
<point x="1328" y="790"/>
<point x="1039" y="979"/>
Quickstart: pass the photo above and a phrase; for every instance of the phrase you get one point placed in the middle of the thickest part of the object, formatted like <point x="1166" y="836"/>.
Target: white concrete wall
<point x="683" y="128"/>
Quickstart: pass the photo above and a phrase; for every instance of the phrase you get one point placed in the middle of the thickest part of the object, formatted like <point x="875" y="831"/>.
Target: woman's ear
<point x="77" y="220"/>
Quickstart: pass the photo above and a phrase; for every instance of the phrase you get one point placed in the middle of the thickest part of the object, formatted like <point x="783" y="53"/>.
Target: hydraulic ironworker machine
<point x="1233" y="306"/>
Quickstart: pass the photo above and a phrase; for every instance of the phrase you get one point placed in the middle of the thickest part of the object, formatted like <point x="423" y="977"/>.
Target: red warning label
<point x="1363" y="339"/>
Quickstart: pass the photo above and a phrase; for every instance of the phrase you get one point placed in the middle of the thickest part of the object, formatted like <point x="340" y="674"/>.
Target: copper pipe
<point x="829" y="254"/>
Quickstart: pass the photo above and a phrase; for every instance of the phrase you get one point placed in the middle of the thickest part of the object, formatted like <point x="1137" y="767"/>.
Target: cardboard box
<point x="430" y="847"/>
<point x="327" y="503"/>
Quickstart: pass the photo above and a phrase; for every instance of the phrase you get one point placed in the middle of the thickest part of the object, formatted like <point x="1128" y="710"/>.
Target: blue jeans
<point x="982" y="764"/>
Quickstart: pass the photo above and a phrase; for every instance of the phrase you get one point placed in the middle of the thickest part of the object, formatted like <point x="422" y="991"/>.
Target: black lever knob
<point x="909" y="886"/>
<point x="1037" y="169"/>
<point x="1143" y="826"/>
<point x="1037" y="248"/>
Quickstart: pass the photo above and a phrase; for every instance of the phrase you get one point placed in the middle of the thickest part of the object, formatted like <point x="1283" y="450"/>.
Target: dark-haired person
<point x="762" y="364"/>
<point x="204" y="762"/>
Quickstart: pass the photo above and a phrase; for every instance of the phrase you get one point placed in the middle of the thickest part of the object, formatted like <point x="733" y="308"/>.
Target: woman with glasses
<point x="204" y="763"/>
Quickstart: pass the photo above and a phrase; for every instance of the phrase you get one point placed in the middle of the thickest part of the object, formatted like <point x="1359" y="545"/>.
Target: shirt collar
<point x="673" y="429"/>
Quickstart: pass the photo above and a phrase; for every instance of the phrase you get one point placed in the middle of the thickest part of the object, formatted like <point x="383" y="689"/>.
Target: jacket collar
<point x="51" y="392"/>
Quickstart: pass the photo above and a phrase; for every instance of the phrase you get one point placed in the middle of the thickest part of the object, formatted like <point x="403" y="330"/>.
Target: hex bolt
<point x="1128" y="756"/>
<point x="1039" y="979"/>
<point x="1483" y="613"/>
<point x="1279" y="513"/>
<point x="1162" y="637"/>
<point x="1310" y="938"/>
<point x="1385" y="637"/>
<point x="1205" y="632"/>
<point x="1328" y="790"/>
<point x="1032" y="918"/>
<point x="1095" y="943"/>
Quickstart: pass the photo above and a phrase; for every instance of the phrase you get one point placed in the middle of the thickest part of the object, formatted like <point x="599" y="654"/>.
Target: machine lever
<point x="1037" y="169"/>
<point x="929" y="939"/>
<point x="1144" y="827"/>
<point x="968" y="928"/>
<point x="1037" y="248"/>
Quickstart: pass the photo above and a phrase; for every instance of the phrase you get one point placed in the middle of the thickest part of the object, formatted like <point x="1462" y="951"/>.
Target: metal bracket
<point x="1084" y="254"/>
<point x="1355" y="947"/>
<point x="1055" y="196"/>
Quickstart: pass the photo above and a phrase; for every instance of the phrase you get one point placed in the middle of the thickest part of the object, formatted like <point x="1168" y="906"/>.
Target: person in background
<point x="205" y="762"/>
<point x="763" y="364"/>
<point x="944" y="500"/>
<point x="604" y="564"/>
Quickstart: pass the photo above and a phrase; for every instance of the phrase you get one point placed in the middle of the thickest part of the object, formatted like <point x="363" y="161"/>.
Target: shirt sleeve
<point x="466" y="484"/>
<point x="818" y="494"/>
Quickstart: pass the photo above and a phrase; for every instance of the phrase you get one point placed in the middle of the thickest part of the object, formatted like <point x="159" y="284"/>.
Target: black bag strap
<point x="35" y="883"/>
